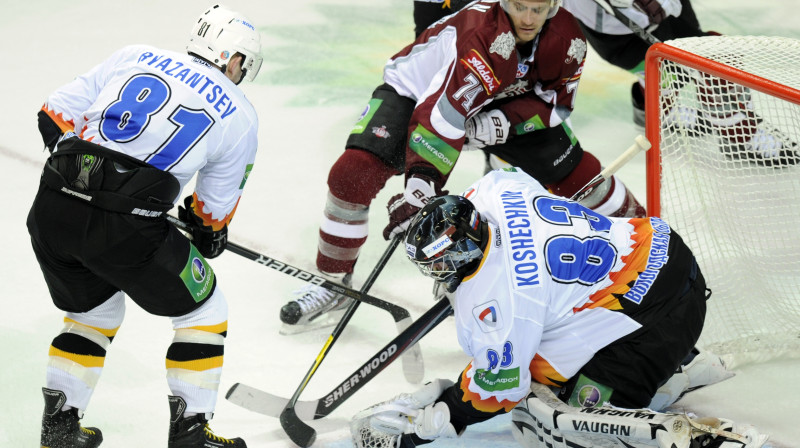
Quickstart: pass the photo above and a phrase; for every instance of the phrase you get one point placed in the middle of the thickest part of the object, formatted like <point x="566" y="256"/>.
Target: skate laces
<point x="210" y="434"/>
<point x="312" y="298"/>
<point x="88" y="431"/>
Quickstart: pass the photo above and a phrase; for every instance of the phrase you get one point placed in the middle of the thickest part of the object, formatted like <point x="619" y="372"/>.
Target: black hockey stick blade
<point x="301" y="433"/>
<point x="265" y="403"/>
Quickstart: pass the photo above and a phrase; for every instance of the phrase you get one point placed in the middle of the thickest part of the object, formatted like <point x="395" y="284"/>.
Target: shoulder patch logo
<point x="488" y="316"/>
<point x="577" y="51"/>
<point x="476" y="64"/>
<point x="503" y="45"/>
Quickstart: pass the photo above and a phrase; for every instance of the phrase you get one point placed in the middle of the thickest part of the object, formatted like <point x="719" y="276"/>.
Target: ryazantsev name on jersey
<point x="191" y="78"/>
<point x="520" y="239"/>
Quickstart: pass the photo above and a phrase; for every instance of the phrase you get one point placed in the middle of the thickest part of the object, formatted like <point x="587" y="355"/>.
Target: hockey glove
<point x="406" y="421"/>
<point x="656" y="11"/>
<point x="486" y="129"/>
<point x="208" y="241"/>
<point x="403" y="206"/>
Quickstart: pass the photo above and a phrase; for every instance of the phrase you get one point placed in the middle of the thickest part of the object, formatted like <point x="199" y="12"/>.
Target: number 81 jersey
<point x="558" y="282"/>
<point x="171" y="110"/>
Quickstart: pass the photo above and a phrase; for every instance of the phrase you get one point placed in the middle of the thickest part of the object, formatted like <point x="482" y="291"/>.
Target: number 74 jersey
<point x="557" y="283"/>
<point x="171" y="110"/>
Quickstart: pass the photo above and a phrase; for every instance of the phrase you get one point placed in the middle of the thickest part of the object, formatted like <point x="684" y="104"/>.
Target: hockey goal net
<point x="723" y="115"/>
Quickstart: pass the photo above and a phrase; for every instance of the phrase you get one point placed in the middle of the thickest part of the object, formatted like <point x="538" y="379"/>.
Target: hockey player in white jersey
<point x="547" y="292"/>
<point x="125" y="138"/>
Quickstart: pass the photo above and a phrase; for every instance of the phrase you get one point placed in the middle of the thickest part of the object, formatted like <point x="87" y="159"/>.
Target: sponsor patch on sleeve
<point x="246" y="175"/>
<point x="474" y="62"/>
<point x="433" y="149"/>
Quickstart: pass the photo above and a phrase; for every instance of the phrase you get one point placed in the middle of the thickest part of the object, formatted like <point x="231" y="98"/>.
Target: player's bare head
<point x="446" y="239"/>
<point x="220" y="34"/>
<point x="528" y="16"/>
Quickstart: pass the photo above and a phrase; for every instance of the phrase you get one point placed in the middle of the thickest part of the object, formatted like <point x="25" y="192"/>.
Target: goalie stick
<point x="262" y="402"/>
<point x="413" y="364"/>
<point x="290" y="411"/>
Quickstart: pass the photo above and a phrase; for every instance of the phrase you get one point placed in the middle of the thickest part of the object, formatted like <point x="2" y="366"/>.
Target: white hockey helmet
<point x="554" y="5"/>
<point x="220" y="33"/>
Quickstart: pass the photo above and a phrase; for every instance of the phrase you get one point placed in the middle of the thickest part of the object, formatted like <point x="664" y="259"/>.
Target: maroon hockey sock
<point x="354" y="181"/>
<point x="586" y="170"/>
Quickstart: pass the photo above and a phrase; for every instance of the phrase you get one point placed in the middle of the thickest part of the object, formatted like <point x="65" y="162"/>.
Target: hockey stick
<point x="300" y="433"/>
<point x="399" y="313"/>
<point x="640" y="144"/>
<point x="262" y="402"/>
<point x="633" y="26"/>
<point x="413" y="364"/>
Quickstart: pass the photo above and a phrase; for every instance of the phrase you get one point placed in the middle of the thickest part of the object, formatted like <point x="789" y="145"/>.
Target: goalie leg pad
<point x="704" y="369"/>
<point x="544" y="420"/>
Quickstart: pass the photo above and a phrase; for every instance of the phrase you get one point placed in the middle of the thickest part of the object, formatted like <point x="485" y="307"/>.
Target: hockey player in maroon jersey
<point x="741" y="126"/>
<point x="497" y="76"/>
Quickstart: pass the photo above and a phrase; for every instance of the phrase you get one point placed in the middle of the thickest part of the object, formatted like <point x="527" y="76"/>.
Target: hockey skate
<point x="730" y="111"/>
<point x="62" y="429"/>
<point x="193" y="432"/>
<point x="315" y="307"/>
<point x="678" y="118"/>
<point x="770" y="148"/>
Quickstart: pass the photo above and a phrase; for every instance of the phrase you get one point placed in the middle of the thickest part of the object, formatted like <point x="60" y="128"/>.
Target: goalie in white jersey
<point x="147" y="120"/>
<point x="549" y="292"/>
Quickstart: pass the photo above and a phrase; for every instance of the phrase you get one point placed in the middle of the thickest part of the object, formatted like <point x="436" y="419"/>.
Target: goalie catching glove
<point x="211" y="243"/>
<point x="403" y="206"/>
<point x="406" y="421"/>
<point x="486" y="129"/>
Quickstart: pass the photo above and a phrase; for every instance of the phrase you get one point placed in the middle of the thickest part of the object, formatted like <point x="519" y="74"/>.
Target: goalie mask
<point x="220" y="33"/>
<point x="445" y="239"/>
<point x="554" y="5"/>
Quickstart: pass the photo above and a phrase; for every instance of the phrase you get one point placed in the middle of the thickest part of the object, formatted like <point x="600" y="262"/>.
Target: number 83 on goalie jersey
<point x="557" y="283"/>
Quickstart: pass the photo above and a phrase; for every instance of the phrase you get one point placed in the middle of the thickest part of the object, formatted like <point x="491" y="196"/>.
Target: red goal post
<point x="732" y="188"/>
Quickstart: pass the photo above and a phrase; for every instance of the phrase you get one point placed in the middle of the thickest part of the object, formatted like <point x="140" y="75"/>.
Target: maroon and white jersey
<point x="595" y="17"/>
<point x="470" y="59"/>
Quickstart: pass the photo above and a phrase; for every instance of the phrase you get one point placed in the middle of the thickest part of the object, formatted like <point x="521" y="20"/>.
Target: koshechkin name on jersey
<point x="520" y="240"/>
<point x="215" y="93"/>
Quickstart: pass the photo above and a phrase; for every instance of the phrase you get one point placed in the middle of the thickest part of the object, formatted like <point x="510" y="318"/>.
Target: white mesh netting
<point x="365" y="436"/>
<point x="730" y="185"/>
